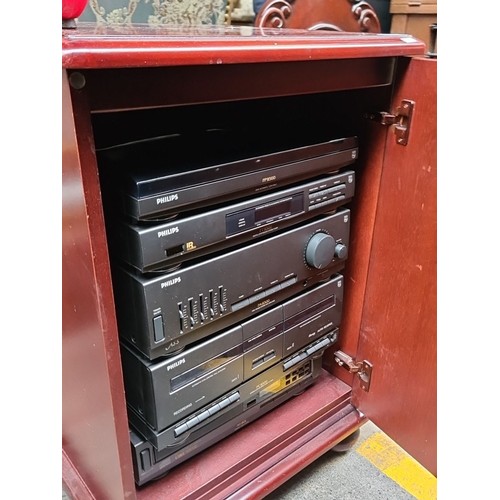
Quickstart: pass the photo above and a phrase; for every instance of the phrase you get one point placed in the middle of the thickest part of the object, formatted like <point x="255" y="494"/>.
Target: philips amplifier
<point x="253" y="399"/>
<point x="162" y="315"/>
<point x="162" y="176"/>
<point x="153" y="247"/>
<point x="165" y="392"/>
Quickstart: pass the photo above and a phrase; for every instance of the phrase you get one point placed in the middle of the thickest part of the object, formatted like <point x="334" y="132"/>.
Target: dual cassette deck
<point x="228" y="285"/>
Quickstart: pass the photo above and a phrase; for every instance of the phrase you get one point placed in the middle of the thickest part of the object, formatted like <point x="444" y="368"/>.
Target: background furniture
<point x="157" y="12"/>
<point x="344" y="15"/>
<point x="415" y="17"/>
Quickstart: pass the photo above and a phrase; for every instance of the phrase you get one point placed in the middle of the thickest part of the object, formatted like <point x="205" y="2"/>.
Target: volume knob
<point x="320" y="250"/>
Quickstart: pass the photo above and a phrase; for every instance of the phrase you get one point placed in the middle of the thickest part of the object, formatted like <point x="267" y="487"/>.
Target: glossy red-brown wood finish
<point x="95" y="428"/>
<point x="398" y="328"/>
<point x="89" y="47"/>
<point x="194" y="84"/>
<point x="276" y="441"/>
<point x="341" y="15"/>
<point x="363" y="212"/>
<point x="97" y="459"/>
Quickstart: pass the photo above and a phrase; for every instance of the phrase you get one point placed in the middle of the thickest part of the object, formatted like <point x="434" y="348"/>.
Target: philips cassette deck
<point x="178" y="308"/>
<point x="152" y="247"/>
<point x="165" y="392"/>
<point x="164" y="175"/>
<point x="254" y="399"/>
<point x="199" y="421"/>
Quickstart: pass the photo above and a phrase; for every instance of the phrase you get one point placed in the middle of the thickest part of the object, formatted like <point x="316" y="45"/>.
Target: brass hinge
<point x="363" y="369"/>
<point x="401" y="120"/>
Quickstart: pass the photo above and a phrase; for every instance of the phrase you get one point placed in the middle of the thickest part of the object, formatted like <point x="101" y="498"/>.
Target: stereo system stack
<point x="227" y="274"/>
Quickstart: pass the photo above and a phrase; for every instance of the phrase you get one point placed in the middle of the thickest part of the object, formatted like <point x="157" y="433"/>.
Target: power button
<point x="158" y="328"/>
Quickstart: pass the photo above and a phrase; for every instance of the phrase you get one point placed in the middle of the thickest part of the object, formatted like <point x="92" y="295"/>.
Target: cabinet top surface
<point x="93" y="47"/>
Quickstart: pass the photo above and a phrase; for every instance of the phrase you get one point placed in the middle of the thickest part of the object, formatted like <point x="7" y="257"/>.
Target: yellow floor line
<point x="395" y="463"/>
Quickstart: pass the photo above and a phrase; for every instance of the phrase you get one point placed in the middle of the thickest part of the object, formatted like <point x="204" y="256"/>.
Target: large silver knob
<point x="320" y="250"/>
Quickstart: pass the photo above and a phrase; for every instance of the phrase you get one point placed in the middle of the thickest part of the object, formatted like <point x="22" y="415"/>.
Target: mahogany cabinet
<point x="380" y="87"/>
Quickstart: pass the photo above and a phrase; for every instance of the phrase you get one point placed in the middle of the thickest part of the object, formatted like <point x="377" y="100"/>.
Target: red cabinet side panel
<point x="95" y="431"/>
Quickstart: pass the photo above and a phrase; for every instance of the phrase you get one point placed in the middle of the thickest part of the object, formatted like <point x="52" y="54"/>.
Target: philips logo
<point x="167" y="232"/>
<point x="176" y="364"/>
<point x="166" y="199"/>
<point x="269" y="179"/>
<point x="171" y="282"/>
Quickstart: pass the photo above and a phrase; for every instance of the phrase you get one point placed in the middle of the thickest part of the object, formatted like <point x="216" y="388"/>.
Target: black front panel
<point x="155" y="246"/>
<point x="254" y="391"/>
<point x="169" y="174"/>
<point x="149" y="463"/>
<point x="178" y="308"/>
<point x="181" y="384"/>
<point x="226" y="252"/>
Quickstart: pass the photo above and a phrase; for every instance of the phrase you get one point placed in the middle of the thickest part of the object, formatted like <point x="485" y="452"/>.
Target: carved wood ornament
<point x="345" y="15"/>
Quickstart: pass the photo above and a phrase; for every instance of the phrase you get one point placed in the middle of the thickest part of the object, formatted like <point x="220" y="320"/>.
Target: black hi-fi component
<point x="254" y="398"/>
<point x="247" y="393"/>
<point x="162" y="315"/>
<point x="151" y="247"/>
<point x="165" y="391"/>
<point x="164" y="176"/>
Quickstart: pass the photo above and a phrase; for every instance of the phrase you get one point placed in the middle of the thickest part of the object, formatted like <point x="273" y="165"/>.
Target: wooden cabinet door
<point x="398" y="326"/>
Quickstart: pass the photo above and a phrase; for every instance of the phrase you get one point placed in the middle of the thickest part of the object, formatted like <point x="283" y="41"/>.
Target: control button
<point x="214" y="409"/>
<point x="234" y="397"/>
<point x="273" y="289"/>
<point x="240" y="221"/>
<point x="180" y="430"/>
<point x="192" y="422"/>
<point x="293" y="361"/>
<point x="225" y="402"/>
<point x="257" y="363"/>
<point x="258" y="296"/>
<point x="312" y="349"/>
<point x="267" y="357"/>
<point x="203" y="416"/>
<point x="158" y="328"/>
<point x="324" y="343"/>
<point x="340" y="251"/>
<point x="320" y="250"/>
<point x="145" y="460"/>
<point x="335" y="189"/>
<point x="288" y="282"/>
<point x="239" y="305"/>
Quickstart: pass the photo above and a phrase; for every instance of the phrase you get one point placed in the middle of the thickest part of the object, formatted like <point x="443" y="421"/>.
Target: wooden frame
<point x="266" y="65"/>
